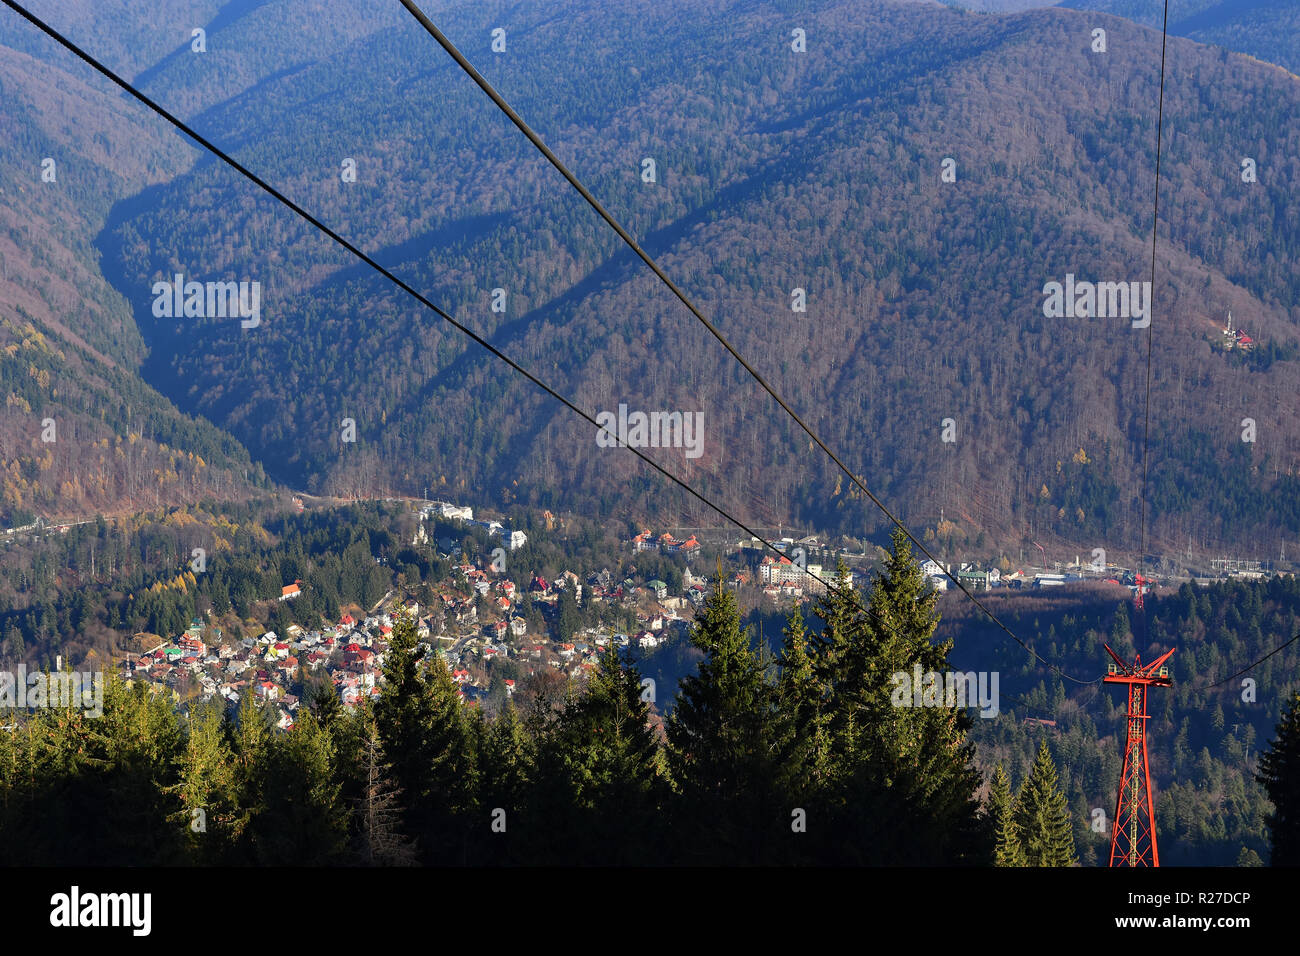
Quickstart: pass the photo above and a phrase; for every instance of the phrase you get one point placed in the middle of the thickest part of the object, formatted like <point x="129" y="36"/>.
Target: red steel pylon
<point x="1133" y="837"/>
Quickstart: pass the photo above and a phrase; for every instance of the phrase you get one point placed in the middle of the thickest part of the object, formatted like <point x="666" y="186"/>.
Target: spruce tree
<point x="424" y="732"/>
<point x="802" y="695"/>
<point x="126" y="785"/>
<point x="22" y="843"/>
<point x="301" y="820"/>
<point x="904" y="776"/>
<point x="1043" y="817"/>
<point x="325" y="704"/>
<point x="207" y="789"/>
<point x="1279" y="774"/>
<point x="249" y="738"/>
<point x="722" y="745"/>
<point x="804" y="740"/>
<point x="506" y="774"/>
<point x="1002" y="813"/>
<point x="612" y="770"/>
<point x="506" y="762"/>
<point x="379" y="839"/>
<point x="12" y="758"/>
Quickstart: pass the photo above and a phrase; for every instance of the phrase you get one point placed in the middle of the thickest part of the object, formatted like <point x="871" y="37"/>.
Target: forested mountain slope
<point x="1265" y="29"/>
<point x="775" y="170"/>
<point x="80" y="432"/>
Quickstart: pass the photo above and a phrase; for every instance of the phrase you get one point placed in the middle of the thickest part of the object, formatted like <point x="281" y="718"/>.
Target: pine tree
<point x="1002" y="812"/>
<point x="604" y="762"/>
<point x="249" y="737"/>
<point x="124" y="781"/>
<point x="905" y="780"/>
<point x="325" y="704"/>
<point x="506" y="762"/>
<point x="804" y="738"/>
<point x="301" y="821"/>
<point x="379" y="838"/>
<point x="424" y="732"/>
<point x="1042" y="815"/>
<point x="207" y="789"/>
<point x="507" y="769"/>
<point x="722" y="745"/>
<point x="802" y="695"/>
<point x="1279" y="774"/>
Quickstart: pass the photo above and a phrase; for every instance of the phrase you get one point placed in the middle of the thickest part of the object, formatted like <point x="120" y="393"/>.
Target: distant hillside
<point x="1265" y="29"/>
<point x="775" y="170"/>
<point x="1268" y="30"/>
<point x="127" y="35"/>
<point x="80" y="432"/>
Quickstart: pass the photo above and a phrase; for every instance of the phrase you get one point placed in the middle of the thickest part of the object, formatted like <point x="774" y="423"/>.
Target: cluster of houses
<point x="204" y="664"/>
<point x="603" y="587"/>
<point x="971" y="576"/>
<point x="576" y="658"/>
<point x="666" y="543"/>
<point x="509" y="636"/>
<point x="976" y="578"/>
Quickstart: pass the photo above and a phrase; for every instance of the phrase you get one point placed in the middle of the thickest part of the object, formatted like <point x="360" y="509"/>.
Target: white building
<point x="774" y="573"/>
<point x="447" y="510"/>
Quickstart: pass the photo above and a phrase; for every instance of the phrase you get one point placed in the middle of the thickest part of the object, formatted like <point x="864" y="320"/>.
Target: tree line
<point x="803" y="756"/>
